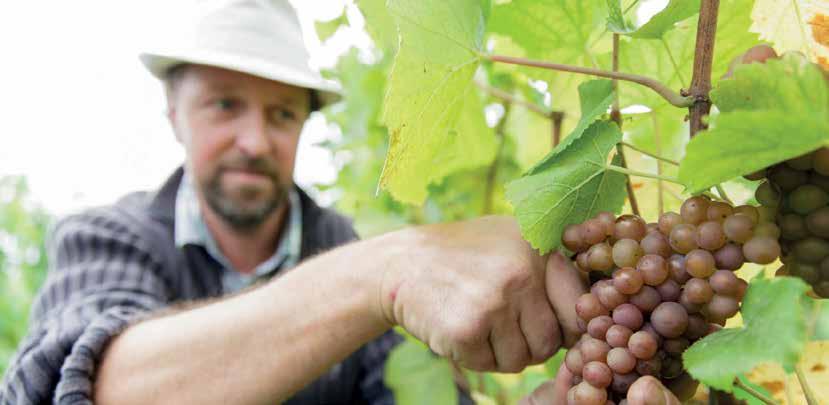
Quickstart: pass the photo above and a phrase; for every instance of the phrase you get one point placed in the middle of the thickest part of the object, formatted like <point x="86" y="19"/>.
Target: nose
<point x="252" y="139"/>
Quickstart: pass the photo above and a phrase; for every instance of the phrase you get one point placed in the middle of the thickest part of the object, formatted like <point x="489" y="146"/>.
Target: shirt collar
<point x="190" y="229"/>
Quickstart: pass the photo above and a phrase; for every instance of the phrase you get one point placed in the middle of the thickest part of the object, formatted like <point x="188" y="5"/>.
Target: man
<point x="146" y="300"/>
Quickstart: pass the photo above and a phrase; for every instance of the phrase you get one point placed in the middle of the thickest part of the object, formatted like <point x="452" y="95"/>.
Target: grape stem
<point x="721" y="192"/>
<point x="660" y="88"/>
<point x="646" y="153"/>
<point x="510" y="98"/>
<point x="807" y="390"/>
<point x="756" y="394"/>
<point x="641" y="174"/>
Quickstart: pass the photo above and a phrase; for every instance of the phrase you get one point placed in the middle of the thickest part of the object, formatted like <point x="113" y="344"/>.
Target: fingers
<point x="552" y="392"/>
<point x="540" y="328"/>
<point x="648" y="390"/>
<point x="759" y="53"/>
<point x="564" y="286"/>
<point x="512" y="353"/>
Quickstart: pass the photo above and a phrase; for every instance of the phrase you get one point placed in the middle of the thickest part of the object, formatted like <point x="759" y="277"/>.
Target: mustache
<point x="255" y="165"/>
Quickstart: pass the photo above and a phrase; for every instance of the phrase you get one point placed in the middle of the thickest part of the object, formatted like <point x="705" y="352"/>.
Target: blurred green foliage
<point x="23" y="226"/>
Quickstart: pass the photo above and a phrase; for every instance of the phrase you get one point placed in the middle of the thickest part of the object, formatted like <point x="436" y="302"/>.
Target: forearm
<point x="257" y="347"/>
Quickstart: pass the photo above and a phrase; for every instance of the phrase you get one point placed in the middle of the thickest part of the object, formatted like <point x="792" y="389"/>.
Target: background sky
<point x="83" y="120"/>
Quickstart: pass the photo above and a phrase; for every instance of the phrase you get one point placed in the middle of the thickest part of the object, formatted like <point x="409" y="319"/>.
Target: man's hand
<point x="477" y="293"/>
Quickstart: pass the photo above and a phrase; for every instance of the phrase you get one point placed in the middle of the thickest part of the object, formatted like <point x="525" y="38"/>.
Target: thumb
<point x="648" y="390"/>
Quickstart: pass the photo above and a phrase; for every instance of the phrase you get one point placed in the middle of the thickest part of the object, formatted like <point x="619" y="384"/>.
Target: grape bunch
<point x="657" y="288"/>
<point x="796" y="194"/>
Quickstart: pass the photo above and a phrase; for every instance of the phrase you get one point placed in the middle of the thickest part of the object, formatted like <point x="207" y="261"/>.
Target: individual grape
<point x="683" y="386"/>
<point x="811" y="250"/>
<point x="767" y="214"/>
<point x="676" y="346"/>
<point x="710" y="235"/>
<point x="802" y="162"/>
<point x="609" y="296"/>
<point x="670" y="319"/>
<point x="686" y="303"/>
<point x="807" y="198"/>
<point x="738" y="228"/>
<point x="609" y="220"/>
<point x="594" y="350"/>
<point x="597" y="374"/>
<point x="671" y="368"/>
<point x="593" y="231"/>
<point x="718" y="211"/>
<point x="630" y="227"/>
<point x="694" y="210"/>
<point x="820" y="181"/>
<point x="820" y="161"/>
<point x="824" y="269"/>
<point x="648" y="327"/>
<point x="683" y="238"/>
<point x="618" y="335"/>
<point x="598" y="326"/>
<point x="767" y="229"/>
<point x="763" y="250"/>
<point x="600" y="257"/>
<point x="697" y="327"/>
<point x="586" y="394"/>
<point x="651" y="366"/>
<point x="749" y="211"/>
<point x="729" y="257"/>
<point x="622" y="382"/>
<point x="792" y="227"/>
<point x="582" y="263"/>
<point x="572" y="238"/>
<point x="646" y="299"/>
<point x="724" y="282"/>
<point x="589" y="307"/>
<point x="620" y="360"/>
<point x="627" y="280"/>
<point x="810" y="273"/>
<point x="699" y="263"/>
<point x="643" y="345"/>
<point x="787" y="178"/>
<point x="721" y="308"/>
<point x="767" y="195"/>
<point x="676" y="266"/>
<point x="654" y="269"/>
<point x="742" y="286"/>
<point x="574" y="361"/>
<point x="817" y="222"/>
<point x="626" y="252"/>
<point x="698" y="291"/>
<point x="655" y="243"/>
<point x="669" y="290"/>
<point x="667" y="221"/>
<point x="628" y="316"/>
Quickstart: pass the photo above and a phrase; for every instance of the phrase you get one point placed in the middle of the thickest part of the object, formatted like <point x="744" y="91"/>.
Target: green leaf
<point x="774" y="330"/>
<point x="820" y="310"/>
<point x="440" y="44"/>
<point x="616" y="20"/>
<point x="665" y="20"/>
<point x="596" y="97"/>
<point x="552" y="364"/>
<point x="325" y="29"/>
<point x="764" y="106"/>
<point x="379" y="24"/>
<point x="575" y="186"/>
<point x="416" y="376"/>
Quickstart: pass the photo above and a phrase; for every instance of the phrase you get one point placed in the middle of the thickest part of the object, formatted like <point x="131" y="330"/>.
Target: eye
<point x="283" y="114"/>
<point x="226" y="104"/>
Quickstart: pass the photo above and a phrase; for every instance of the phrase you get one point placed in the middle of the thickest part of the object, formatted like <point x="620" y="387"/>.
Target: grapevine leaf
<point x="470" y="144"/>
<point x="596" y="97"/>
<point x="577" y="186"/>
<point x="821" y="316"/>
<point x="616" y="20"/>
<point x="440" y="44"/>
<point x="412" y="372"/>
<point x="763" y="106"/>
<point x="795" y="25"/>
<point x="379" y="24"/>
<point x="774" y="330"/>
<point x="665" y="20"/>
<point x="325" y="29"/>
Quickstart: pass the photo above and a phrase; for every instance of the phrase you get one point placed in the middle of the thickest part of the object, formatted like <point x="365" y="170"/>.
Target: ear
<point x="172" y="115"/>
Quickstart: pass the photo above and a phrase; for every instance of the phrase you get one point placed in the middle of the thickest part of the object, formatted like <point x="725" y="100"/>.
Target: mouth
<point x="246" y="176"/>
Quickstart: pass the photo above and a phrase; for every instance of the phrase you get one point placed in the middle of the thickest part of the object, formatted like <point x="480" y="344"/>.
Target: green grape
<point x="820" y="161"/>
<point x="810" y="273"/>
<point x="748" y="210"/>
<point x="807" y="198"/>
<point x="809" y="250"/>
<point x="767" y="195"/>
<point x="761" y="250"/>
<point x="820" y="181"/>
<point x="817" y="222"/>
<point x="767" y="229"/>
<point x="627" y="252"/>
<point x="792" y="227"/>
<point x="786" y="178"/>
<point x="802" y="162"/>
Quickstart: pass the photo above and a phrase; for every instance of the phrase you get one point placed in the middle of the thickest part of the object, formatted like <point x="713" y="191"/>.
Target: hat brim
<point x="159" y="63"/>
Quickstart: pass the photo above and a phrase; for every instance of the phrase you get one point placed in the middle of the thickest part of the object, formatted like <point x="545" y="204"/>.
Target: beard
<point x="245" y="207"/>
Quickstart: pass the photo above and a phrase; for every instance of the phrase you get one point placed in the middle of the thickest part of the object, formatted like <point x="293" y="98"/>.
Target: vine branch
<point x="646" y="153"/>
<point x="703" y="59"/>
<point x="660" y="88"/>
<point x="807" y="390"/>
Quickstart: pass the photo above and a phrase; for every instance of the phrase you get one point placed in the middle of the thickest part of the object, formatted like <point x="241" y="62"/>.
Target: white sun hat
<point x="259" y="37"/>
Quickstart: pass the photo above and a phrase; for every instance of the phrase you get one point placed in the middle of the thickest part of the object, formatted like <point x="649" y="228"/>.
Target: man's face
<point x="240" y="133"/>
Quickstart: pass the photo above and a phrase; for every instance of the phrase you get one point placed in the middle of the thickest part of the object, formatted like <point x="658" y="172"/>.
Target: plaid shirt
<point x="116" y="265"/>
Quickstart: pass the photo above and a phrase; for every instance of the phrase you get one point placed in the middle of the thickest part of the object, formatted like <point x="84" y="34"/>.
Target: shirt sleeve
<point x="372" y="386"/>
<point x="101" y="278"/>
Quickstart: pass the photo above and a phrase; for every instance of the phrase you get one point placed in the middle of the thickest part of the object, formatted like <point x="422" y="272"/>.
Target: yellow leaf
<point x="794" y="25"/>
